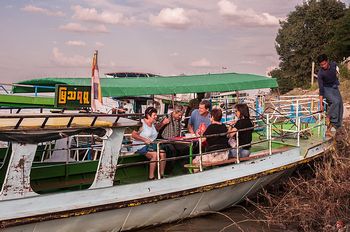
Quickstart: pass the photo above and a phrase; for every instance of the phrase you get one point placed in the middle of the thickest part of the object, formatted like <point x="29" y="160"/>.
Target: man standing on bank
<point x="328" y="84"/>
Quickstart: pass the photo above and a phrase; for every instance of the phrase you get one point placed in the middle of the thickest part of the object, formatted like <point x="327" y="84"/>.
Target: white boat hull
<point x="148" y="203"/>
<point x="154" y="213"/>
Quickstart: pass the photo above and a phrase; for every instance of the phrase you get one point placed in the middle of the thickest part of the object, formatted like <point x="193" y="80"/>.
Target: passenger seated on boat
<point x="145" y="136"/>
<point x="216" y="139"/>
<point x="200" y="119"/>
<point x="169" y="128"/>
<point x="244" y="136"/>
<point x="192" y="105"/>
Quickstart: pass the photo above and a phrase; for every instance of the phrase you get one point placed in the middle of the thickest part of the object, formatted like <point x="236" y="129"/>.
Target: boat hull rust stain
<point x="148" y="200"/>
<point x="17" y="181"/>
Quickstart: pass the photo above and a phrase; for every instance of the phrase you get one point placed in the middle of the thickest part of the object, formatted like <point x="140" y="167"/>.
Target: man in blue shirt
<point x="328" y="84"/>
<point x="200" y="116"/>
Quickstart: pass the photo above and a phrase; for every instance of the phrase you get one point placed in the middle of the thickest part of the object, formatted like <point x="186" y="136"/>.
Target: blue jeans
<point x="242" y="153"/>
<point x="335" y="110"/>
<point x="147" y="148"/>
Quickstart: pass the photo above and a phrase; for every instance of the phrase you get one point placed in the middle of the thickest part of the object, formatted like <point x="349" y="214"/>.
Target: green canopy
<point x="119" y="87"/>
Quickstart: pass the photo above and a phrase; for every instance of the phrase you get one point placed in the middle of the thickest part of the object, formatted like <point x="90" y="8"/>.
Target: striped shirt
<point x="172" y="129"/>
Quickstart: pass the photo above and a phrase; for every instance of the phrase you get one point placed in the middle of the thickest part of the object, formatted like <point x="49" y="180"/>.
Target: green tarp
<point x="25" y="101"/>
<point x="119" y="87"/>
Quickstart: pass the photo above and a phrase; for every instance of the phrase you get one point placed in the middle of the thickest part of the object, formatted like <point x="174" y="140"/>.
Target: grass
<point x="344" y="90"/>
<point x="313" y="202"/>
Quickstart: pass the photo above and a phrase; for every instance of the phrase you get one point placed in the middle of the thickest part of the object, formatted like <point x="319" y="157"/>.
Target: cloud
<point x="201" y="63"/>
<point x="75" y="61"/>
<point x="247" y="17"/>
<point x="91" y="15"/>
<point x="112" y="64"/>
<point x="39" y="10"/>
<point x="75" y="43"/>
<point x="175" y="18"/>
<point x="99" y="44"/>
<point x="248" y="62"/>
<point x="174" y="54"/>
<point x="76" y="27"/>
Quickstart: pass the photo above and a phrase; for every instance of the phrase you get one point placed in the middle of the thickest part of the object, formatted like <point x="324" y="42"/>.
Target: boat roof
<point x="119" y="87"/>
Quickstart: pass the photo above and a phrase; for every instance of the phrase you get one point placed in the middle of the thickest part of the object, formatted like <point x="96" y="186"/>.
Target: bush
<point x="317" y="203"/>
<point x="344" y="72"/>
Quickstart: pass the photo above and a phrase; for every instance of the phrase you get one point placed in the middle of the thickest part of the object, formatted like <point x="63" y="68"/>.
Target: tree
<point x="304" y="35"/>
<point x="283" y="82"/>
<point x="339" y="46"/>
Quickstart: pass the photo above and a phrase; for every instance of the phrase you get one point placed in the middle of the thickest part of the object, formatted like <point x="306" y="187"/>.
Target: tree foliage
<point x="308" y="31"/>
<point x="339" y="46"/>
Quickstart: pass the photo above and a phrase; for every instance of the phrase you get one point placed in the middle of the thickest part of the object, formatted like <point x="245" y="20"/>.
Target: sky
<point x="57" y="38"/>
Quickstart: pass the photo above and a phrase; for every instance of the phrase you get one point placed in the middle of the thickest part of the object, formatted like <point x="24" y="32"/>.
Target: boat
<point x="116" y="195"/>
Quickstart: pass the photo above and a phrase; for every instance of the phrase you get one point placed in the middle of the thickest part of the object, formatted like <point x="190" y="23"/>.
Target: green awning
<point x="119" y="87"/>
<point x="25" y="101"/>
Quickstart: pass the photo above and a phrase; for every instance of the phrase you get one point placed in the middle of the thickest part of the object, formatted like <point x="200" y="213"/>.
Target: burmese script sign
<point x="68" y="96"/>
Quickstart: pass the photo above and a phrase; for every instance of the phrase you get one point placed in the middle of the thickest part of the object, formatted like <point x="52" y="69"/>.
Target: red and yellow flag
<point x="96" y="92"/>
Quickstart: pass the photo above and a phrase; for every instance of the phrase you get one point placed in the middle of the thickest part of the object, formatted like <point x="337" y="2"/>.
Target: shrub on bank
<point x="317" y="203"/>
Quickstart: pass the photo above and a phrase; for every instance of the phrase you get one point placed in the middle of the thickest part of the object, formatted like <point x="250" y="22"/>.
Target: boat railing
<point x="35" y="87"/>
<point x="84" y="150"/>
<point x="201" y="153"/>
<point x="79" y="148"/>
<point x="24" y="110"/>
<point x="273" y="134"/>
<point x="3" y="89"/>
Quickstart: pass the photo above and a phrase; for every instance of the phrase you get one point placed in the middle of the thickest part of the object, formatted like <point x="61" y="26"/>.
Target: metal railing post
<point x="267" y="126"/>
<point x="237" y="147"/>
<point x="319" y="125"/>
<point x="200" y="154"/>
<point x="297" y="121"/>
<point x="269" y="132"/>
<point x="298" y="133"/>
<point x="158" y="163"/>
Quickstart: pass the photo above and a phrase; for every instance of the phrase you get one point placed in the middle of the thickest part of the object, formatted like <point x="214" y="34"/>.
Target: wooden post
<point x="312" y="74"/>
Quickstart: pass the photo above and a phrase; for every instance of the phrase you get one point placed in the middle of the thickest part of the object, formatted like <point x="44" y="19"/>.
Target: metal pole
<point x="269" y="133"/>
<point x="191" y="155"/>
<point x="312" y="73"/>
<point x="237" y="147"/>
<point x="200" y="153"/>
<point x="158" y="164"/>
<point x="297" y="118"/>
<point x="68" y="150"/>
<point x="319" y="124"/>
<point x="267" y="126"/>
<point x="298" y="134"/>
<point x="324" y="126"/>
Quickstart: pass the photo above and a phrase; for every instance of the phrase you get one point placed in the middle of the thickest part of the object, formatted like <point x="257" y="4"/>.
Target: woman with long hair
<point x="242" y="131"/>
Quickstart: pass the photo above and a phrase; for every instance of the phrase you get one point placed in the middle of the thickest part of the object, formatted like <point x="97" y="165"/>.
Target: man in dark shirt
<point x="328" y="84"/>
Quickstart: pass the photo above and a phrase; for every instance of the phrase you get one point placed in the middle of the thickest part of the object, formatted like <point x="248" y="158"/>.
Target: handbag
<point x="232" y="142"/>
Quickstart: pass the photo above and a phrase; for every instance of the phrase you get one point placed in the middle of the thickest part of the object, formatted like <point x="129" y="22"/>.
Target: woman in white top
<point x="145" y="136"/>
